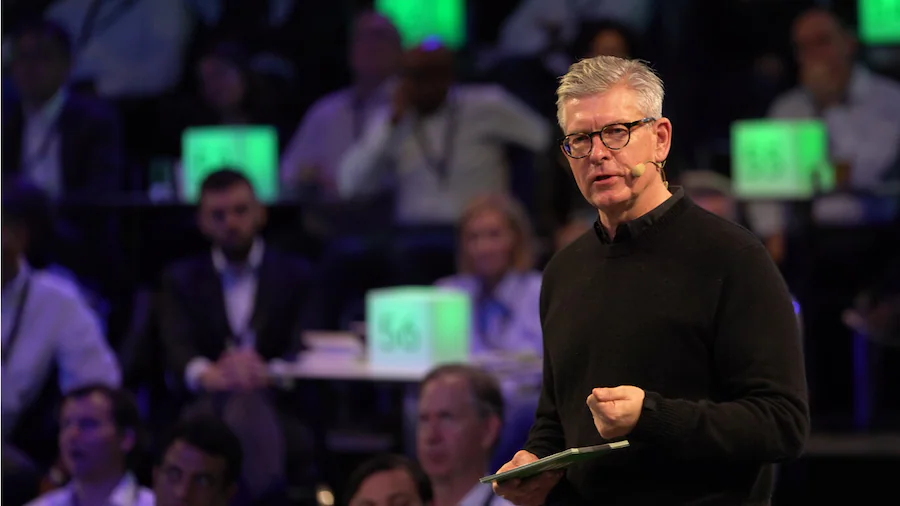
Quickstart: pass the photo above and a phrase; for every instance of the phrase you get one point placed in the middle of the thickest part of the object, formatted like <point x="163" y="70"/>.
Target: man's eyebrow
<point x="616" y="122"/>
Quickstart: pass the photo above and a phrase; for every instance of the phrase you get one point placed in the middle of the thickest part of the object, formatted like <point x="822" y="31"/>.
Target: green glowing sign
<point x="416" y="327"/>
<point x="419" y="19"/>
<point x="879" y="21"/>
<point x="778" y="159"/>
<point x="253" y="150"/>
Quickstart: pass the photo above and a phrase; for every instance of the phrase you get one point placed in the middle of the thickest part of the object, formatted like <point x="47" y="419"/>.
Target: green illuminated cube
<point x="416" y="327"/>
<point x="780" y="159"/>
<point x="879" y="22"/>
<point x="419" y="19"/>
<point x="252" y="150"/>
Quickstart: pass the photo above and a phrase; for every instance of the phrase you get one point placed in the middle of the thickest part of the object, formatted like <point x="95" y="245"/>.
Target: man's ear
<point x="128" y="441"/>
<point x="263" y="214"/>
<point x="491" y="435"/>
<point x="663" y="138"/>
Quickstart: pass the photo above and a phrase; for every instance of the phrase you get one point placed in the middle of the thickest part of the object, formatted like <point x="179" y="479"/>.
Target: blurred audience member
<point x="573" y="229"/>
<point x="229" y="95"/>
<point x="199" y="465"/>
<point x="99" y="429"/>
<point x="338" y="120"/>
<point x="224" y="314"/>
<point x="711" y="191"/>
<point x="533" y="26"/>
<point x="496" y="269"/>
<point x="860" y="108"/>
<point x="67" y="144"/>
<point x="460" y="421"/>
<point x="606" y="38"/>
<point x="47" y="324"/>
<point x="388" y="480"/>
<point x="440" y="144"/>
<point x="126" y="49"/>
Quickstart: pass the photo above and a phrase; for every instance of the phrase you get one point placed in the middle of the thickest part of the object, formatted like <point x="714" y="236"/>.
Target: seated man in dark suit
<point x="224" y="314"/>
<point x="69" y="145"/>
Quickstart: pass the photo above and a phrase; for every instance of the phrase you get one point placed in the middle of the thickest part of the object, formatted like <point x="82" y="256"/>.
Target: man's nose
<point x="599" y="151"/>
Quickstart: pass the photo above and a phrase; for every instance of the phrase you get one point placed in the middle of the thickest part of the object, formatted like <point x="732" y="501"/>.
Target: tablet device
<point x="556" y="461"/>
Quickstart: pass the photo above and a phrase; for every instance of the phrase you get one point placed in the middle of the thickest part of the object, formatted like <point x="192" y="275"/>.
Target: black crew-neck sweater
<point x="693" y="311"/>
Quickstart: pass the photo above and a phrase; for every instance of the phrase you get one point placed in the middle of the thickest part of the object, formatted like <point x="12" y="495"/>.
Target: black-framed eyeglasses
<point x="614" y="136"/>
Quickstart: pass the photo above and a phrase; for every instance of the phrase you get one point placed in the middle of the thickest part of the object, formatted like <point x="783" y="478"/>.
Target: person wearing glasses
<point x="665" y="325"/>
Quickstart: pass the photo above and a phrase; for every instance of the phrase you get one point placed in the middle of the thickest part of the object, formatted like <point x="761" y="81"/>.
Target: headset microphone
<point x="639" y="169"/>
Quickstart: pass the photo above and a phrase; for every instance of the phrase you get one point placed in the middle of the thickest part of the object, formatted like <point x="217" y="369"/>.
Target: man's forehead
<point x="94" y="402"/>
<point x="816" y="22"/>
<point x="184" y="454"/>
<point x="618" y="104"/>
<point x="449" y="391"/>
<point x="239" y="193"/>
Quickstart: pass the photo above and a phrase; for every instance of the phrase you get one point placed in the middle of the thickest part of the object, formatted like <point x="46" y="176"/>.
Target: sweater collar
<point x="633" y="229"/>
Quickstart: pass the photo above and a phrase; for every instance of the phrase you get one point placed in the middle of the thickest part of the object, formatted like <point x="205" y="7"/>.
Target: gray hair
<point x="600" y="73"/>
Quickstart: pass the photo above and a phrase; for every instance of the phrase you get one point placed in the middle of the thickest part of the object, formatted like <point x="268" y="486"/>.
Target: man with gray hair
<point x="664" y="325"/>
<point x="460" y="419"/>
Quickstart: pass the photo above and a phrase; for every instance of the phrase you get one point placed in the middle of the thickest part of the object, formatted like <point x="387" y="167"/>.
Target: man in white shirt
<point x="439" y="144"/>
<point x="336" y="121"/>
<point x="98" y="429"/>
<point x="65" y="143"/>
<point x="860" y="108"/>
<point x="460" y="419"/>
<point x="46" y="322"/>
<point x="225" y="315"/>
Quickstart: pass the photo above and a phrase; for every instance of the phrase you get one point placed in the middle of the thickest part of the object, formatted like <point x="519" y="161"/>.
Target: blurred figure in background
<point x="711" y="191"/>
<point x="225" y="315"/>
<point x="99" y="429"/>
<point x="199" y="465"/>
<point x="229" y="94"/>
<point x="496" y="270"/>
<point x="388" y="480"/>
<point x="67" y="144"/>
<point x="338" y="120"/>
<point x="47" y="326"/>
<point x="439" y="144"/>
<point x="861" y="110"/>
<point x="460" y="422"/>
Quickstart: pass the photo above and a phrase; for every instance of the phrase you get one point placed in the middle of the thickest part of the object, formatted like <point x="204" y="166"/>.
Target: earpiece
<point x="638" y="170"/>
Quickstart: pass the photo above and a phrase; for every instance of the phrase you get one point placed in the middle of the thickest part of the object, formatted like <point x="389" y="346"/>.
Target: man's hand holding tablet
<point x="531" y="491"/>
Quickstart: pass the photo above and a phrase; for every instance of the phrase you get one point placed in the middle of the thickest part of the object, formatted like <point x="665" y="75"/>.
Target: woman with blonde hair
<point x="495" y="261"/>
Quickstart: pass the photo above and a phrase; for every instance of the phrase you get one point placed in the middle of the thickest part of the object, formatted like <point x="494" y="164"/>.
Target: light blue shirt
<point x="507" y="319"/>
<point x="57" y="326"/>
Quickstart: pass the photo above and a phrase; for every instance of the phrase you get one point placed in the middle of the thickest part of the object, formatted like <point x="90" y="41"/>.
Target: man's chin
<point x="610" y="198"/>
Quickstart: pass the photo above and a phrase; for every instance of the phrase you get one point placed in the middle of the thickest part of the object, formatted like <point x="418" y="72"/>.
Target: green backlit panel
<point x="416" y="327"/>
<point x="879" y="22"/>
<point x="252" y="150"/>
<point x="420" y="19"/>
<point x="779" y="159"/>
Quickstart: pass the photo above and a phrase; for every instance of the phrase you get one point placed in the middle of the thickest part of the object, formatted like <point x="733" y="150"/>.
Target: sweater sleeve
<point x="546" y="435"/>
<point x="762" y="412"/>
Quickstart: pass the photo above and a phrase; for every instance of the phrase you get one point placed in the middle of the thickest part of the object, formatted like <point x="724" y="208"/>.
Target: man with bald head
<point x="337" y="120"/>
<point x="439" y="143"/>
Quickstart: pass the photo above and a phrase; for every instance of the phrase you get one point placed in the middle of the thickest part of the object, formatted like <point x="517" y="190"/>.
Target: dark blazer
<point x="193" y="319"/>
<point x="91" y="156"/>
